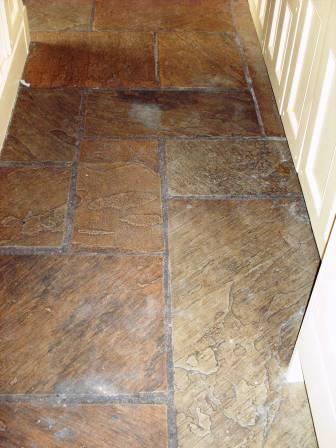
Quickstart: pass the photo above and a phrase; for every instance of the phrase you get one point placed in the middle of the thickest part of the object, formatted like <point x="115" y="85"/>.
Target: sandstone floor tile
<point x="113" y="59"/>
<point x="239" y="289"/>
<point x="201" y="167"/>
<point x="118" y="202"/>
<point x="155" y="15"/>
<point x="44" y="126"/>
<point x="33" y="206"/>
<point x="200" y="60"/>
<point x="82" y="325"/>
<point x="79" y="426"/>
<point x="170" y="113"/>
<point x="257" y="68"/>
<point x="60" y="15"/>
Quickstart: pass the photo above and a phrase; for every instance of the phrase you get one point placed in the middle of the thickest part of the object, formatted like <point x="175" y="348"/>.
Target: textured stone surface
<point x="154" y="15"/>
<point x="110" y="59"/>
<point x="44" y="126"/>
<point x="239" y="291"/>
<point x="81" y="325"/>
<point x="94" y="426"/>
<point x="170" y="113"/>
<point x="200" y="60"/>
<point x="33" y="206"/>
<point x="230" y="167"/>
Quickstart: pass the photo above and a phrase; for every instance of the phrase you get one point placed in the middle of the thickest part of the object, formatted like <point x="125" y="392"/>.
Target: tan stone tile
<point x="33" y="206"/>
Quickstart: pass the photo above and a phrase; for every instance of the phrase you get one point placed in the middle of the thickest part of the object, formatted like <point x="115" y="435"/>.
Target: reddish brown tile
<point x="59" y="15"/>
<point x="113" y="59"/>
<point x="82" y="325"/>
<point x="33" y="206"/>
<point x="44" y="126"/>
<point x="170" y="113"/>
<point x="200" y="60"/>
<point x="80" y="426"/>
<point x="154" y="15"/>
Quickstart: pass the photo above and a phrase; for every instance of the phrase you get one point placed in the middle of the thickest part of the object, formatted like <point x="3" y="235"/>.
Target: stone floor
<point x="156" y="253"/>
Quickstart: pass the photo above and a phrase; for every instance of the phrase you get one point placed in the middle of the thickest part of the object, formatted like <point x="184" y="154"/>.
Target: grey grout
<point x="33" y="250"/>
<point x="171" y="410"/>
<point x="236" y="197"/>
<point x="156" y="58"/>
<point x="35" y="164"/>
<point x="187" y="138"/>
<point x="92" y="16"/>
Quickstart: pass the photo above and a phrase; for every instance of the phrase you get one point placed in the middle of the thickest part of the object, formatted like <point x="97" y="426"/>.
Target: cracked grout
<point x="156" y="58"/>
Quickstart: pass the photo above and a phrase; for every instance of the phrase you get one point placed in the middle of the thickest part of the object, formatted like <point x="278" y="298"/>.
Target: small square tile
<point x="118" y="202"/>
<point x="82" y="325"/>
<point x="59" y="15"/>
<point x="155" y="15"/>
<point x="44" y="126"/>
<point x="170" y="113"/>
<point x="242" y="167"/>
<point x="79" y="426"/>
<point x="200" y="60"/>
<point x="113" y="59"/>
<point x="33" y="206"/>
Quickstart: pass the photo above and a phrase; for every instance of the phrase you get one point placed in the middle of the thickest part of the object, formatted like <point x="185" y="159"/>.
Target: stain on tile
<point x="230" y="167"/>
<point x="257" y="68"/>
<point x="33" y="206"/>
<point x="170" y="113"/>
<point x="44" y="126"/>
<point x="155" y="15"/>
<point x="79" y="426"/>
<point x="113" y="59"/>
<point x="241" y="261"/>
<point x="82" y="325"/>
<point x="59" y="15"/>
<point x="200" y="60"/>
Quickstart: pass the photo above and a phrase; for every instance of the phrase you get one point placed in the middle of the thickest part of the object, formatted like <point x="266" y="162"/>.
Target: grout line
<point x="247" y="72"/>
<point x="187" y="138"/>
<point x="154" y="398"/>
<point x="236" y="197"/>
<point x="34" y="164"/>
<point x="171" y="414"/>
<point x="156" y="58"/>
<point x="30" y="250"/>
<point x="69" y="219"/>
<point x="92" y="16"/>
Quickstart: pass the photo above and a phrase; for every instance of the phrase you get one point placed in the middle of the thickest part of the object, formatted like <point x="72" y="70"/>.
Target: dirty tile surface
<point x="33" y="206"/>
<point x="90" y="325"/>
<point x="230" y="168"/>
<point x="78" y="426"/>
<point x="170" y="113"/>
<point x="200" y="60"/>
<point x="241" y="261"/>
<point x="91" y="60"/>
<point x="59" y="15"/>
<point x="155" y="15"/>
<point x="44" y="126"/>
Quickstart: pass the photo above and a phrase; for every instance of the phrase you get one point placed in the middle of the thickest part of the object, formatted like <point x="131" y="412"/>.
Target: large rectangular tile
<point x="242" y="167"/>
<point x="170" y="113"/>
<point x="33" y="206"/>
<point x="79" y="426"/>
<point x="113" y="59"/>
<point x="241" y="278"/>
<point x="154" y="15"/>
<point x="44" y="126"/>
<point x="118" y="202"/>
<point x="67" y="15"/>
<point x="83" y="325"/>
<point x="200" y="60"/>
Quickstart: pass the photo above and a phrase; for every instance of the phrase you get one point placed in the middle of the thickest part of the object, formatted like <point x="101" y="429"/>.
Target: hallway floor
<point x="156" y="252"/>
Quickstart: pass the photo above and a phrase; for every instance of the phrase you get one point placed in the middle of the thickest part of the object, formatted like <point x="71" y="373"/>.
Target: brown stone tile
<point x="79" y="426"/>
<point x="230" y="167"/>
<point x="239" y="290"/>
<point x="170" y="113"/>
<point x="82" y="325"/>
<point x="113" y="59"/>
<point x="257" y="68"/>
<point x="33" y="206"/>
<point x="200" y="60"/>
<point x="59" y="15"/>
<point x="44" y="126"/>
<point x="118" y="202"/>
<point x="155" y="15"/>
